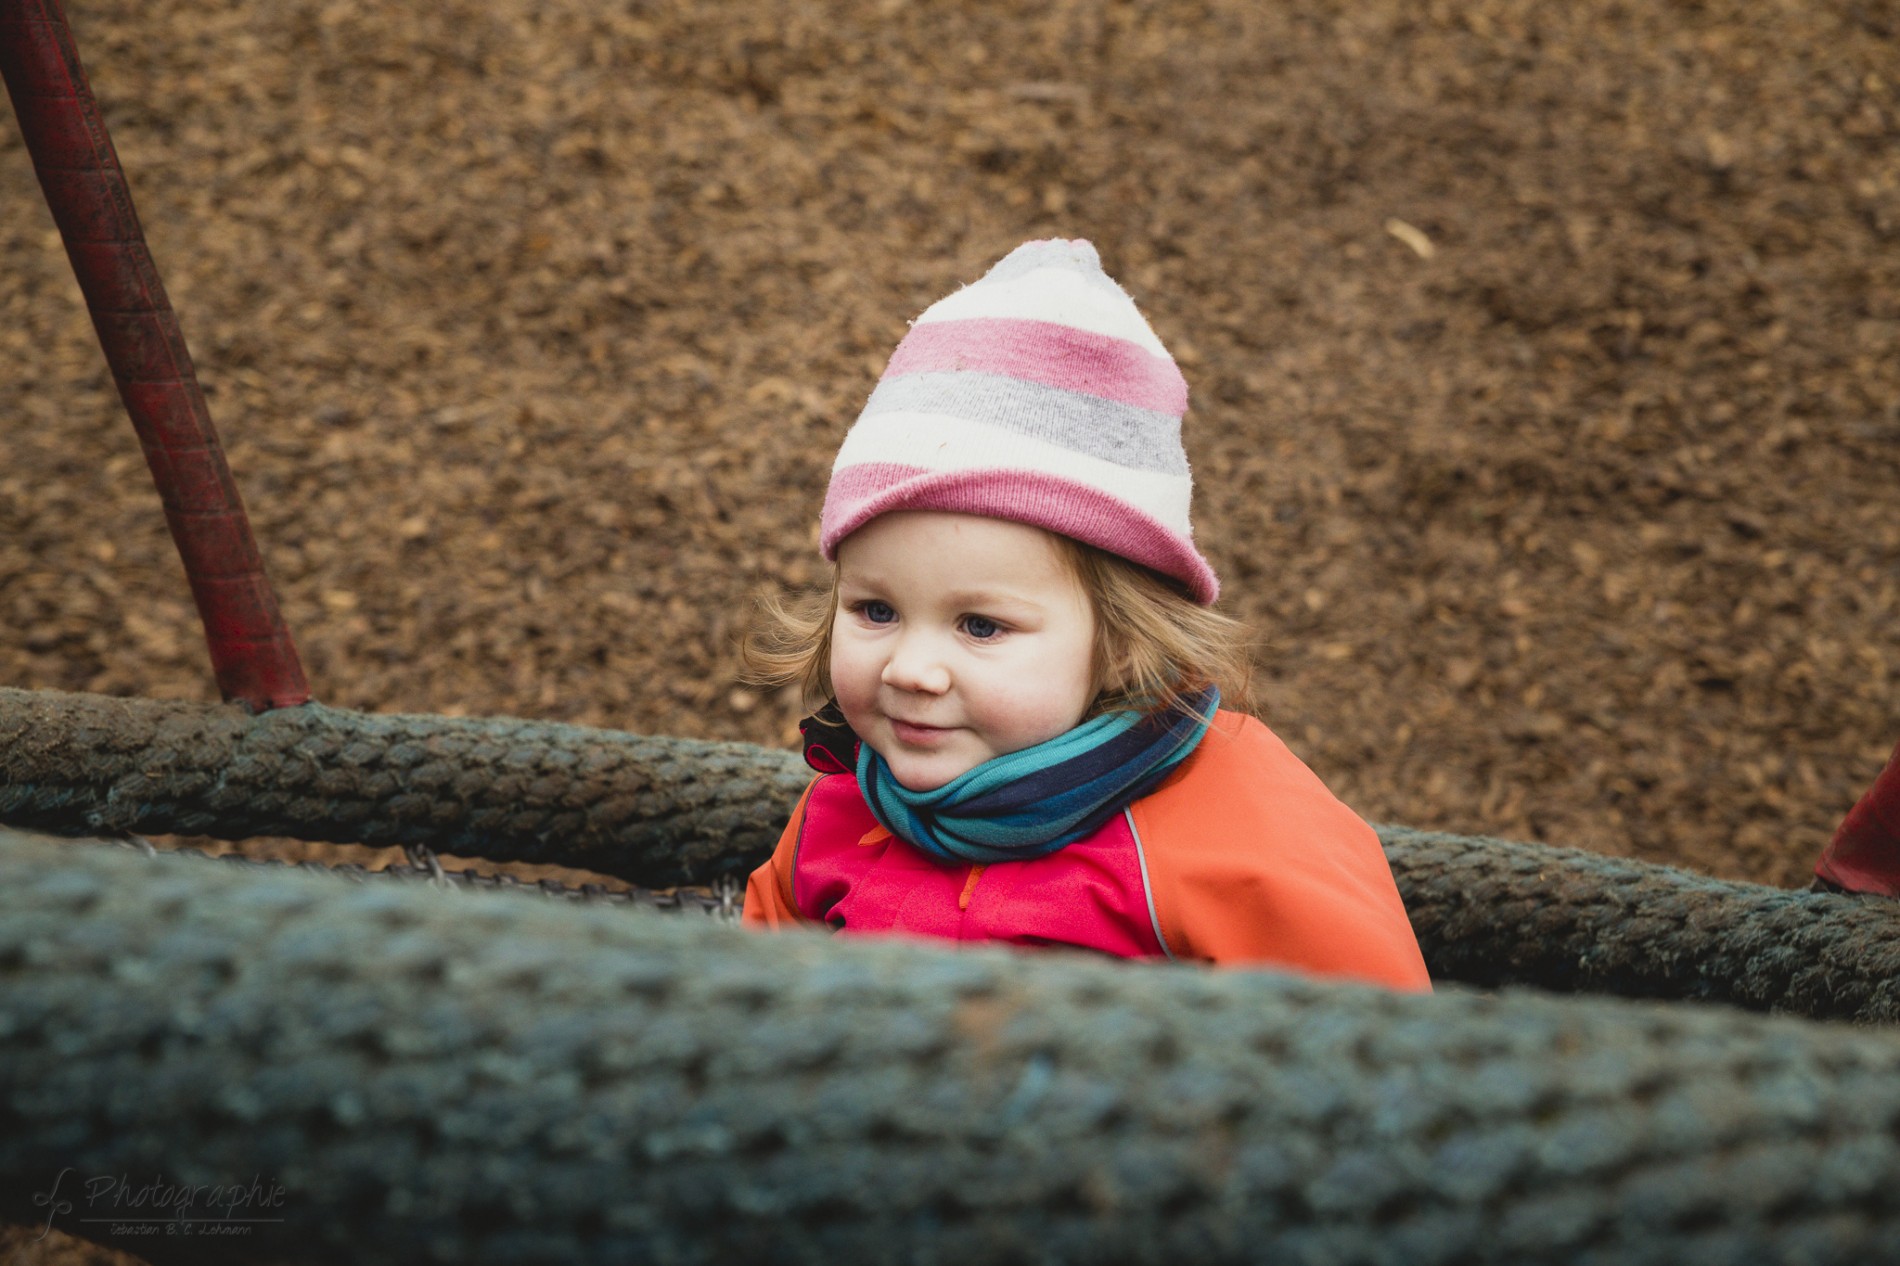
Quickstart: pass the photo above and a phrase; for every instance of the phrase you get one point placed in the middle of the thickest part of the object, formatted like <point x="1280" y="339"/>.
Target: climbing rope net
<point x="446" y="1075"/>
<point x="425" y="1071"/>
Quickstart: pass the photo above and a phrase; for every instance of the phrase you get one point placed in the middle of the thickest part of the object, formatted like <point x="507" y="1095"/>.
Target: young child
<point x="1023" y="740"/>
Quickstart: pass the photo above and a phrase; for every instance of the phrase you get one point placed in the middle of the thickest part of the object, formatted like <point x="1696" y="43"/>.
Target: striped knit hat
<point x="1038" y="394"/>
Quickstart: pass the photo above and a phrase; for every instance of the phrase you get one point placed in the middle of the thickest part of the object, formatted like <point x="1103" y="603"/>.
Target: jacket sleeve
<point x="769" y="900"/>
<point x="1252" y="861"/>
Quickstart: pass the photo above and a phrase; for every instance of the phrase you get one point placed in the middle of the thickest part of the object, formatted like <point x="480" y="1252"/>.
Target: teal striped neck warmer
<point x="1028" y="804"/>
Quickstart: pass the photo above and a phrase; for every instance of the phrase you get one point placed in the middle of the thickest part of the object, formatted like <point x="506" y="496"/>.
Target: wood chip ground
<point x="1545" y="361"/>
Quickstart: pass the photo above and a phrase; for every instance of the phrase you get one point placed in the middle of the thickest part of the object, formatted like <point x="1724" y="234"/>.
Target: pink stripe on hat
<point x="1045" y="352"/>
<point x="1069" y="507"/>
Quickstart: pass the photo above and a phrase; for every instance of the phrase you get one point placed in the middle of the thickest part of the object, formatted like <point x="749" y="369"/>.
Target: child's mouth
<point x="918" y="735"/>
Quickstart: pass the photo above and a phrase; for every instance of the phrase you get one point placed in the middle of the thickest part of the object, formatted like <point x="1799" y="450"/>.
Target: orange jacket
<point x="1240" y="857"/>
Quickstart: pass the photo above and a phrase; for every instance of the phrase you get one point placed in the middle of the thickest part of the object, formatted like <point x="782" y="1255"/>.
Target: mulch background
<point x="532" y="329"/>
<point x="1545" y="360"/>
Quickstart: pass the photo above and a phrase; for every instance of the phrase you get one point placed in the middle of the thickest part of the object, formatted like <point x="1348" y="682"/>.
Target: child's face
<point x="956" y="639"/>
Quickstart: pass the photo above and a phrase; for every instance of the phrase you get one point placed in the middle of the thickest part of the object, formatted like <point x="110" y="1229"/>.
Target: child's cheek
<point x="1027" y="714"/>
<point x="848" y="673"/>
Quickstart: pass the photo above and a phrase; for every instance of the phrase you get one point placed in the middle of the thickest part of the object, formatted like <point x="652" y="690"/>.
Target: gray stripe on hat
<point x="1140" y="439"/>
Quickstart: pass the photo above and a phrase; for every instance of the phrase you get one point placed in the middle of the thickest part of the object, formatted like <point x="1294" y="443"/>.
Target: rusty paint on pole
<point x="252" y="653"/>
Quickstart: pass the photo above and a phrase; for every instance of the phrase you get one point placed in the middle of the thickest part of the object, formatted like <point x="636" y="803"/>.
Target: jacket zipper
<point x="969" y="885"/>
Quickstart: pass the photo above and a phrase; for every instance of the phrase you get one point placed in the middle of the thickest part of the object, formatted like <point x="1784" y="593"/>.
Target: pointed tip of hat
<point x="1077" y="253"/>
<point x="1078" y="249"/>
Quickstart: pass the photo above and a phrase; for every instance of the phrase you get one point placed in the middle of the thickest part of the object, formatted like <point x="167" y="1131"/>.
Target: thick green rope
<point x="481" y="1078"/>
<point x="661" y="812"/>
<point x="1496" y="912"/>
<point x="657" y="811"/>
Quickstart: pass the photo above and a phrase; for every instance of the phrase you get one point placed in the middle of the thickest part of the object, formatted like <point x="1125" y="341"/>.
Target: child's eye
<point x="877" y="612"/>
<point x="982" y="628"/>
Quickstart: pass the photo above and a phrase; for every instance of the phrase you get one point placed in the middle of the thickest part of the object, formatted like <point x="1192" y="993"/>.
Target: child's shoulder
<point x="1251" y="859"/>
<point x="1243" y="784"/>
<point x="836" y="820"/>
<point x="1238" y="746"/>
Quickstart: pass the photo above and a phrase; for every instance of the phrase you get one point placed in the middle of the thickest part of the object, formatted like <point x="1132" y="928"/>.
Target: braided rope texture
<point x="1491" y="913"/>
<point x="479" y="1078"/>
<point x="665" y="812"/>
<point x="657" y="811"/>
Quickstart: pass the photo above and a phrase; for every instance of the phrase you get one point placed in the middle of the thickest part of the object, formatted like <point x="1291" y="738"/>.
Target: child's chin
<point x="926" y="775"/>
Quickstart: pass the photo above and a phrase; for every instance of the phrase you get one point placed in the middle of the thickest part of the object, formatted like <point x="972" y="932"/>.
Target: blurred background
<point x="1545" y="397"/>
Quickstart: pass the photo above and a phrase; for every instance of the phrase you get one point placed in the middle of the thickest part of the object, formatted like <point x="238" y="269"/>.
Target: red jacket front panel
<point x="1240" y="857"/>
<point x="857" y="877"/>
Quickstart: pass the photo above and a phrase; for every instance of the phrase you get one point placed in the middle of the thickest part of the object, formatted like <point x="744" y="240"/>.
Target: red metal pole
<point x="1864" y="855"/>
<point x="251" y="651"/>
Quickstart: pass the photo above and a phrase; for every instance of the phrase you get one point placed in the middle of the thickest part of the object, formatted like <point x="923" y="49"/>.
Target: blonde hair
<point x="1155" y="647"/>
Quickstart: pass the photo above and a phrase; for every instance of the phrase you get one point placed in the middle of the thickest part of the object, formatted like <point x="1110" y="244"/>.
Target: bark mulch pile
<point x="1545" y="360"/>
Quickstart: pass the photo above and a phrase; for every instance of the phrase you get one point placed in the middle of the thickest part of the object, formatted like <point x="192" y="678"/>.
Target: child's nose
<point x="914" y="666"/>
